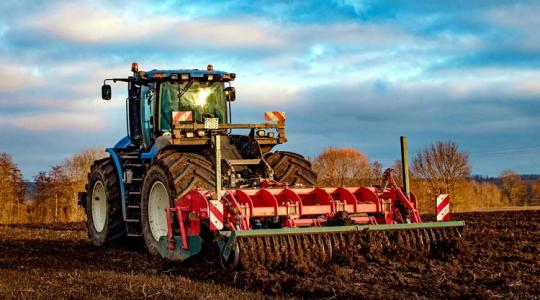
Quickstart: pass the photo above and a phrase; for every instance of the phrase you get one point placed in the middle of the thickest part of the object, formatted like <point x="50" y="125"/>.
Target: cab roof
<point x="193" y="73"/>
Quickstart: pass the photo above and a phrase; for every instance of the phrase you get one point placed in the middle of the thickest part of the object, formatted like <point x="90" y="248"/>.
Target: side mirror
<point x="230" y="93"/>
<point x="106" y="92"/>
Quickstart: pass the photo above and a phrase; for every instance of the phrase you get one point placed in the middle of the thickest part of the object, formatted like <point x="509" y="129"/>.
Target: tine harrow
<point x="302" y="248"/>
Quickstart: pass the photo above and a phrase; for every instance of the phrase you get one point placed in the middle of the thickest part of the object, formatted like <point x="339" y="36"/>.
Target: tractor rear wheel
<point x="291" y="168"/>
<point x="103" y="206"/>
<point x="170" y="176"/>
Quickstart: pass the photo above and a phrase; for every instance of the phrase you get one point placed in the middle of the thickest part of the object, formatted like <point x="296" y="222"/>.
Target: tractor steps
<point x="133" y="227"/>
<point x="134" y="170"/>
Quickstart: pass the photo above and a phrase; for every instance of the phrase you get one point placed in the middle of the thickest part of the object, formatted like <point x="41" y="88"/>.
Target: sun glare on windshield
<point x="201" y="98"/>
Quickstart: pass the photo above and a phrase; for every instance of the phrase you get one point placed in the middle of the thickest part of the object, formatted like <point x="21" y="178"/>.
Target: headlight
<point x="200" y="133"/>
<point x="190" y="134"/>
<point x="261" y="133"/>
<point x="270" y="134"/>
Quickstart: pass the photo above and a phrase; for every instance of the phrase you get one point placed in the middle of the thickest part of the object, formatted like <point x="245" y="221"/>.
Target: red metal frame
<point x="296" y="207"/>
<point x="178" y="213"/>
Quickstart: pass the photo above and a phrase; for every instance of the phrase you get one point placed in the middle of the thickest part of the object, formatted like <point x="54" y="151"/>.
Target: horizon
<point x="347" y="73"/>
<point x="473" y="176"/>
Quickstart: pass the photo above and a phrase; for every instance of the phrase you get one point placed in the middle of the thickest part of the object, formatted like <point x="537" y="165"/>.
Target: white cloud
<point x="64" y="121"/>
<point x="15" y="77"/>
<point x="530" y="86"/>
<point x="256" y="92"/>
<point x="87" y="22"/>
<point x="227" y="33"/>
<point x="103" y="25"/>
<point x="522" y="19"/>
<point x="521" y="16"/>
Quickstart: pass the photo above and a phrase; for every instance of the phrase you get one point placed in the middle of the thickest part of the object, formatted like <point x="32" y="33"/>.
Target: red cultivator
<point x="282" y="220"/>
<point x="302" y="207"/>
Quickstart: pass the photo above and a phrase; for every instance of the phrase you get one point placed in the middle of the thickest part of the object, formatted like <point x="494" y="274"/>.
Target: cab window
<point x="204" y="99"/>
<point x="147" y="104"/>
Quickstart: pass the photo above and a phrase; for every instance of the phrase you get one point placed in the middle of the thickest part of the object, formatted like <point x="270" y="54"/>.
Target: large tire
<point x="291" y="168"/>
<point x="103" y="204"/>
<point x="173" y="173"/>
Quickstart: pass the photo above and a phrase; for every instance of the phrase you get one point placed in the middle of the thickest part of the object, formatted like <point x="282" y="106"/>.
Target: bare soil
<point x="498" y="257"/>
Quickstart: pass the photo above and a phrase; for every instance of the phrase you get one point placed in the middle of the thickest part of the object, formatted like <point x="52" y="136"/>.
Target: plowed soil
<point x="498" y="257"/>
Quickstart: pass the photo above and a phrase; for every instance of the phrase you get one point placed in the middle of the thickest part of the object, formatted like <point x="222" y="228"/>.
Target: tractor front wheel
<point x="168" y="178"/>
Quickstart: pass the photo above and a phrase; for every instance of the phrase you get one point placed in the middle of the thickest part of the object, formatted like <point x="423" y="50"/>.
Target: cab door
<point x="148" y="96"/>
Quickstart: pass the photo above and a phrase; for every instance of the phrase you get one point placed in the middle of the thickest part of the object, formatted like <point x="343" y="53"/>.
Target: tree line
<point x="52" y="197"/>
<point x="440" y="168"/>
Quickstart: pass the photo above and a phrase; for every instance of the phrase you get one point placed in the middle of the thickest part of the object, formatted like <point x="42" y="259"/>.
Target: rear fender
<point x="119" y="173"/>
<point x="152" y="153"/>
<point x="123" y="143"/>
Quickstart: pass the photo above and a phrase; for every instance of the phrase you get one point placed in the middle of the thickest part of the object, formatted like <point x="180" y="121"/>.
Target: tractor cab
<point x="158" y="99"/>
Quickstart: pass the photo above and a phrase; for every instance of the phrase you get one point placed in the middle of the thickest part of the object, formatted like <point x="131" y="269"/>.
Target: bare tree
<point x="62" y="196"/>
<point x="342" y="166"/>
<point x="12" y="190"/>
<point x="488" y="194"/>
<point x="513" y="188"/>
<point x="398" y="172"/>
<point x="41" y="194"/>
<point x="76" y="169"/>
<point x="442" y="165"/>
<point x="55" y="196"/>
<point x="78" y="166"/>
<point x="376" y="171"/>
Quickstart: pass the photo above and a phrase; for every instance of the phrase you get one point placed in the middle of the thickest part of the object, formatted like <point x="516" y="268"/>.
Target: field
<point x="497" y="258"/>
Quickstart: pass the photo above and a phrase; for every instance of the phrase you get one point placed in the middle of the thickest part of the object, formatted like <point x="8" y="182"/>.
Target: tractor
<point x="186" y="176"/>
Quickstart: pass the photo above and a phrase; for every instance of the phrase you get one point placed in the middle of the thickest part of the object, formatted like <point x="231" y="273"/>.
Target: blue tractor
<point x="184" y="177"/>
<point x="173" y="117"/>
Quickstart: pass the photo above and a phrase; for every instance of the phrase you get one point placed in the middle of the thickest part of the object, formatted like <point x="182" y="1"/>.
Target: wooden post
<point x="405" y="166"/>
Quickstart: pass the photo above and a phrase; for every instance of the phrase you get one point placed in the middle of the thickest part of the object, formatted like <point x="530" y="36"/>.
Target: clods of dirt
<point x="498" y="257"/>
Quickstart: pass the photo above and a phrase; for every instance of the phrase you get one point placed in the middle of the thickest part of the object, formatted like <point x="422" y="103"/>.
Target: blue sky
<point x="348" y="73"/>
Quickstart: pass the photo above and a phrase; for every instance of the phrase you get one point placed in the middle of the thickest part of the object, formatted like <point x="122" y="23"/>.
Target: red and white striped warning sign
<point x="182" y="116"/>
<point x="443" y="207"/>
<point x="215" y="212"/>
<point x="274" y="116"/>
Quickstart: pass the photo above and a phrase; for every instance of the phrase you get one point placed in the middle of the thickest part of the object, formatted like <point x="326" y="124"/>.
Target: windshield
<point x="204" y="99"/>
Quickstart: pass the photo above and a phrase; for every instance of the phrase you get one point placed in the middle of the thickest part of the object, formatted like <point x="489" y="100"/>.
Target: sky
<point x="347" y="73"/>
